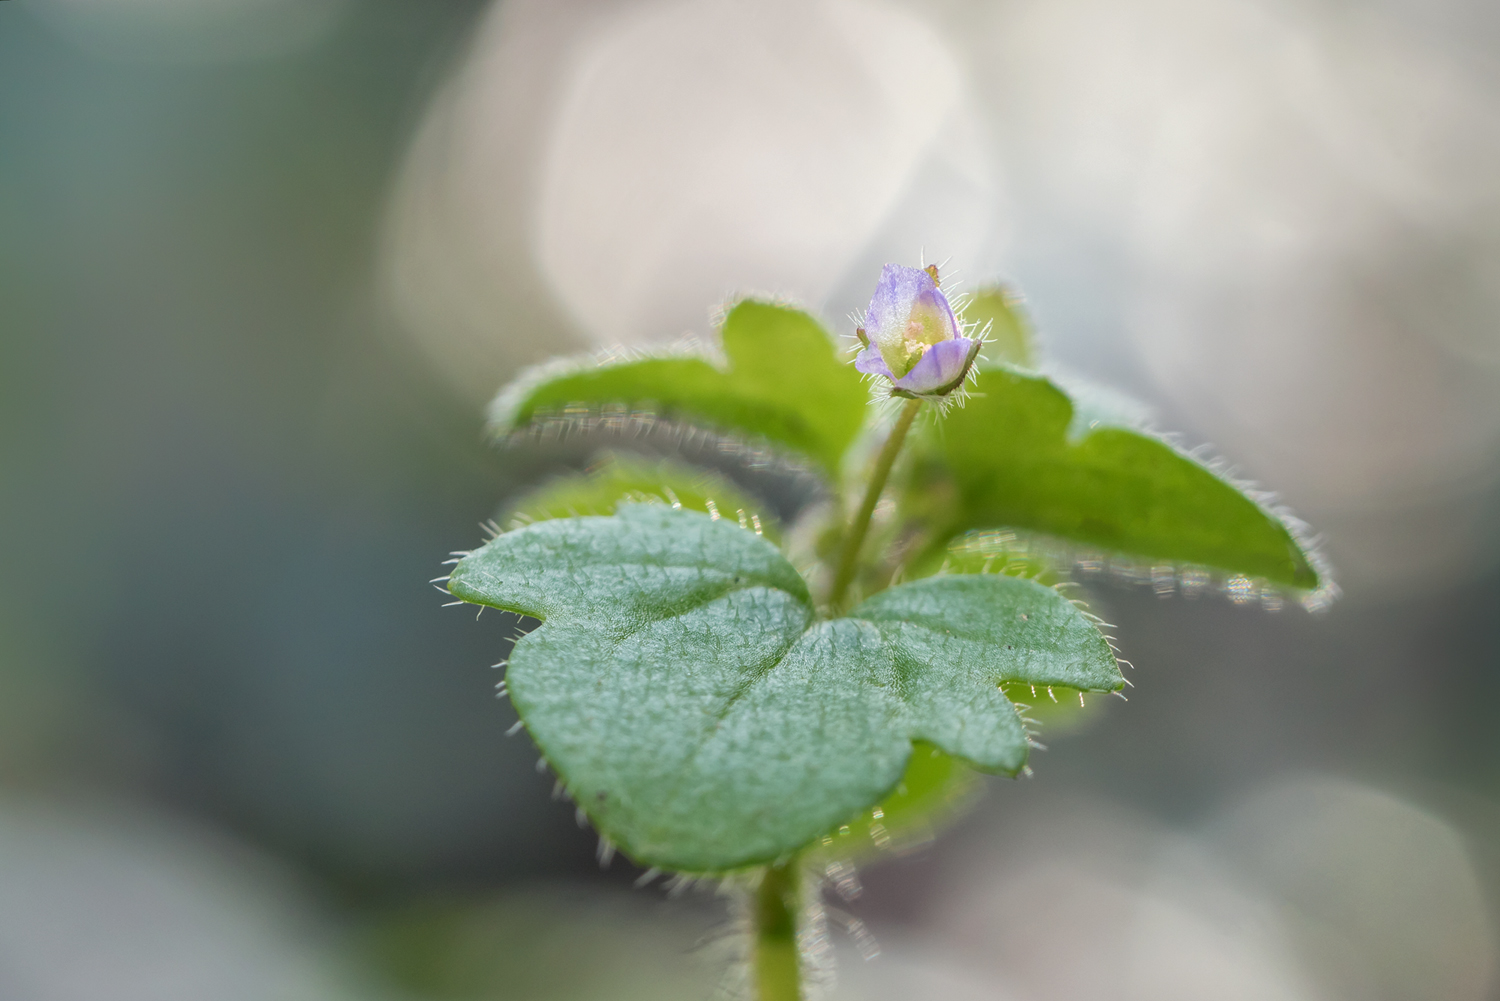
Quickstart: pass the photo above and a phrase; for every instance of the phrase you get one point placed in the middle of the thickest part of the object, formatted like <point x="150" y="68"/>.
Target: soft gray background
<point x="262" y="263"/>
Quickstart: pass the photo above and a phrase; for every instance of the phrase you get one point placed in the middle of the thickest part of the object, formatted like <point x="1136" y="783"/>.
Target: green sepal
<point x="705" y="719"/>
<point x="784" y="381"/>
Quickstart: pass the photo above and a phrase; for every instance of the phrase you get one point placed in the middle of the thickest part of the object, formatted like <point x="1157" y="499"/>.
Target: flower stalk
<point x="777" y="962"/>
<point x="854" y="539"/>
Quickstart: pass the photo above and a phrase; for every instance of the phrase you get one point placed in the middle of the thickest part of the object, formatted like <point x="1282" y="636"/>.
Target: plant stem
<point x="860" y="527"/>
<point x="777" y="972"/>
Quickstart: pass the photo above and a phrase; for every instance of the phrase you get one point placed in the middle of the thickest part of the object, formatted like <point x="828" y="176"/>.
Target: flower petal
<point x="908" y="313"/>
<point x="942" y="365"/>
<point x="870" y="362"/>
<point x="891" y="304"/>
<point x="936" y="313"/>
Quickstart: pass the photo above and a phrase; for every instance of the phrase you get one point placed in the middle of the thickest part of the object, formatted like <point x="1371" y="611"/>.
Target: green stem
<point x="860" y="527"/>
<point x="777" y="973"/>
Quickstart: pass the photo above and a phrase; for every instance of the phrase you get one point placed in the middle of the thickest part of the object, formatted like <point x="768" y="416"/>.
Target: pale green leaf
<point x="703" y="716"/>
<point x="996" y="312"/>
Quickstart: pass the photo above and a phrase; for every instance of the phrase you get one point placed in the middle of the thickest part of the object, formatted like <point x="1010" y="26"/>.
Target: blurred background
<point x="262" y="263"/>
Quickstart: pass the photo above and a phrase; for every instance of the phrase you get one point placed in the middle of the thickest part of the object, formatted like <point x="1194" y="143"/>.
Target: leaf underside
<point x="703" y="716"/>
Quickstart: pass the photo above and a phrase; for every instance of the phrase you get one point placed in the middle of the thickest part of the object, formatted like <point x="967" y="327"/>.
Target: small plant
<point x="723" y="695"/>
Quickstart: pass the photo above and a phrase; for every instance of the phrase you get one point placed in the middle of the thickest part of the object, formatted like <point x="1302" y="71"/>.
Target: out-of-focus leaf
<point x="622" y="479"/>
<point x="784" y="382"/>
<point x="1013" y="462"/>
<point x="527" y="945"/>
<point x="705" y="719"/>
<point x="996" y="312"/>
<point x="935" y="788"/>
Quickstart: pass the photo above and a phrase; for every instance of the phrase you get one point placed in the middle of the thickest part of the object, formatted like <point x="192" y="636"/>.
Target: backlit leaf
<point x="784" y="382"/>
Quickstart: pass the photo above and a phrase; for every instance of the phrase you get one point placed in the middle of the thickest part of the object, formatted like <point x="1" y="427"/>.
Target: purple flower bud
<point x="912" y="337"/>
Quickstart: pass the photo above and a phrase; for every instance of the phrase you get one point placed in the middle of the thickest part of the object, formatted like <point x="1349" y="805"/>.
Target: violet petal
<point x="940" y="366"/>
<point x="871" y="362"/>
<point x="891" y="304"/>
<point x="907" y="314"/>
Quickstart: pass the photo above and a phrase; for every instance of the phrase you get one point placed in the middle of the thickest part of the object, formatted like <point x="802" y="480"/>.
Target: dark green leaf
<point x="784" y="382"/>
<point x="704" y="717"/>
<point x="1018" y="457"/>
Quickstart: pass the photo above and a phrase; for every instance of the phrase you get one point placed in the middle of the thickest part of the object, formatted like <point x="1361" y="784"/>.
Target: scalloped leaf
<point x="784" y="382"/>
<point x="704" y="718"/>
<point x="935" y="787"/>
<point x="1019" y="455"/>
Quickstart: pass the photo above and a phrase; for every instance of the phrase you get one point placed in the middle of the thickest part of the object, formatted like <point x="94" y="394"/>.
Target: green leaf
<point x="996" y="312"/>
<point x="1018" y="457"/>
<point x="703" y="716"/>
<point x="935" y="788"/>
<point x="524" y="944"/>
<point x="625" y="479"/>
<point x="784" y="382"/>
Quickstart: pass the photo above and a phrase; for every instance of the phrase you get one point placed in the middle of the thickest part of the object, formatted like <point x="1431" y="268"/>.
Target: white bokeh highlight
<point x="1278" y="226"/>
<point x="604" y="174"/>
<point x="705" y="149"/>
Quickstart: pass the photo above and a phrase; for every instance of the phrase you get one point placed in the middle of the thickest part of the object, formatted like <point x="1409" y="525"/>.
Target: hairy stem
<point x="854" y="539"/>
<point x="777" y="971"/>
